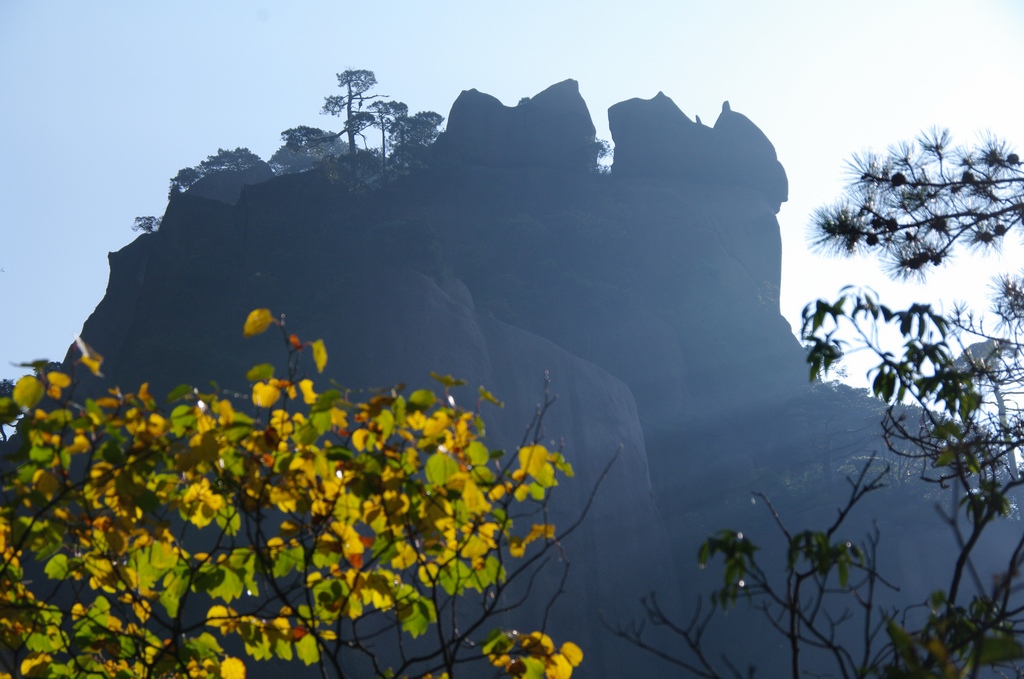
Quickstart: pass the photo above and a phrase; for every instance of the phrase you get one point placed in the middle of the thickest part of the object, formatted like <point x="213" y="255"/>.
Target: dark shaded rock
<point x="407" y="327"/>
<point x="747" y="157"/>
<point x="553" y="129"/>
<point x="226" y="185"/>
<point x="653" y="137"/>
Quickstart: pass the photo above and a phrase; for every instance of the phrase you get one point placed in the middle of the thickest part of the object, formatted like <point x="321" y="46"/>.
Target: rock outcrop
<point x="552" y="129"/>
<point x="653" y="137"/>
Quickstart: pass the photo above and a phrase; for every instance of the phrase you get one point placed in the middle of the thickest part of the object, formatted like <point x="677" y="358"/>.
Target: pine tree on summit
<point x="356" y="84"/>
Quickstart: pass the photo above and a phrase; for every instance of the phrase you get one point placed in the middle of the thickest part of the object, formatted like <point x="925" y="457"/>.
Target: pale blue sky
<point x="105" y="101"/>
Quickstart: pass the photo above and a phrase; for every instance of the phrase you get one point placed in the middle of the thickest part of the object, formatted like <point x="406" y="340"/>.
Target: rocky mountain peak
<point x="653" y="137"/>
<point x="552" y="129"/>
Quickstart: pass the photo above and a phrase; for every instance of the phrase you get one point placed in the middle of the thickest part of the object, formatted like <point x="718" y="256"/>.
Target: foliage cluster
<point x="238" y="160"/>
<point x="375" y="535"/>
<point x="147" y="224"/>
<point x="405" y="139"/>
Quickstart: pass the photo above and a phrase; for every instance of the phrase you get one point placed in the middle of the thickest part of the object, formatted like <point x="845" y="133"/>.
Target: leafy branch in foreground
<point x="361" y="538"/>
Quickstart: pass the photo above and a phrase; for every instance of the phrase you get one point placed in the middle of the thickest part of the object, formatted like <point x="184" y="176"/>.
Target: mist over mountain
<point x="648" y="294"/>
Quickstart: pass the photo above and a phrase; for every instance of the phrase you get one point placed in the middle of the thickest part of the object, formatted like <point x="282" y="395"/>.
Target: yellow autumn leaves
<point x="532" y="655"/>
<point x="385" y="507"/>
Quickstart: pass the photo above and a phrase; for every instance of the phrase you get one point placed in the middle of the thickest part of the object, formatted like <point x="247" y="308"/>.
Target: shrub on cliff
<point x="238" y="160"/>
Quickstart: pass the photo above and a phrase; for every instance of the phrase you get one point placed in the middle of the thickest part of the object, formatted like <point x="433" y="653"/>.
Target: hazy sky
<point x="105" y="101"/>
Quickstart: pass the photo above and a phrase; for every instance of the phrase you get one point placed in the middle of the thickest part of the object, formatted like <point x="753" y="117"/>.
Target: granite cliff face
<point x="650" y="295"/>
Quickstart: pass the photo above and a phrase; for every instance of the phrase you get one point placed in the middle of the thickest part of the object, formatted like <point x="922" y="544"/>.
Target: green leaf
<point x="28" y="392"/>
<point x="490" y="398"/>
<point x="421" y="399"/>
<point x="219" y="581"/>
<point x="204" y="646"/>
<point x="386" y="421"/>
<point x="260" y="373"/>
<point x="534" y="668"/>
<point x="477" y="453"/>
<point x="175" y="585"/>
<point x="306" y="649"/>
<point x="497" y="643"/>
<point x="448" y="380"/>
<point x="415" y="616"/>
<point x="183" y="417"/>
<point x="440" y="468"/>
<point x="57" y="567"/>
<point x="41" y="455"/>
<point x="289" y="560"/>
<point x="178" y="392"/>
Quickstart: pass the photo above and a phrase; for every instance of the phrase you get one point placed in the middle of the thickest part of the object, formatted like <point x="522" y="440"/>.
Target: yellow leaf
<point x="572" y="653"/>
<point x="538" y="644"/>
<point x="415" y="420"/>
<point x="557" y="667"/>
<point x="258" y="321"/>
<point x="92" y="364"/>
<point x="474" y="546"/>
<point x="406" y="556"/>
<point x="56" y="382"/>
<point x="265" y="395"/>
<point x="308" y="395"/>
<point x="90" y="357"/>
<point x="475" y="501"/>
<point x="338" y="418"/>
<point x="541" y="530"/>
<point x="59" y="379"/>
<point x="533" y="458"/>
<point x="437" y="423"/>
<point x="35" y="664"/>
<point x="319" y="355"/>
<point x="232" y="668"/>
<point x="28" y="391"/>
<point x="359" y="437"/>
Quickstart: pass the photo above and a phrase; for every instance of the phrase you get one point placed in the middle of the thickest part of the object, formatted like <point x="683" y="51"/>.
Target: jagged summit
<point x="552" y="129"/>
<point x="653" y="137"/>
